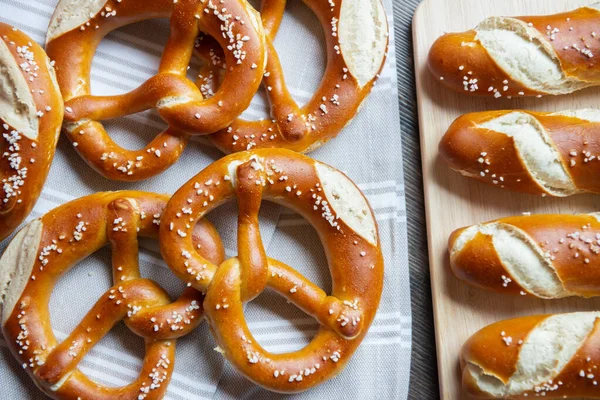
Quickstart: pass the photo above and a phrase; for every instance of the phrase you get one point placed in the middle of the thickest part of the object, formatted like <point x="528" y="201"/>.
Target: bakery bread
<point x="545" y="356"/>
<point x="356" y="46"/>
<point x="521" y="56"/>
<point x="547" y="256"/>
<point x="50" y="246"/>
<point x="554" y="154"/>
<point x="342" y="217"/>
<point x="31" y="112"/>
<point x="77" y="28"/>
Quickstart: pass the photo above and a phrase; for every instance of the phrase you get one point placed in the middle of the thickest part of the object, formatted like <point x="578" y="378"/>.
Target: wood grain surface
<point x="452" y="201"/>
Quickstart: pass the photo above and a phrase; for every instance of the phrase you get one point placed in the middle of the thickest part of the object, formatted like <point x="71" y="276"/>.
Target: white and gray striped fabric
<point x="369" y="151"/>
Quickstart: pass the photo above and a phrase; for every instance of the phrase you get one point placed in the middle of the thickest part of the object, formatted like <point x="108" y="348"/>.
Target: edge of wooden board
<point x="421" y="8"/>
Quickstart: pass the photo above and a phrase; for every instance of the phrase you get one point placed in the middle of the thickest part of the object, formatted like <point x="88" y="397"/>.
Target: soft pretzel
<point x="48" y="247"/>
<point x="344" y="220"/>
<point x="356" y="33"/>
<point x="548" y="256"/>
<point x="522" y="56"/>
<point x="546" y="356"/>
<point x="77" y="28"/>
<point x="555" y="154"/>
<point x="31" y="112"/>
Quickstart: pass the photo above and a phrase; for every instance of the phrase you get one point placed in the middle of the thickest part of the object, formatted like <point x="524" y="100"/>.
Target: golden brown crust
<point x="488" y="156"/>
<point x="587" y="359"/>
<point x="493" y="157"/>
<point x="178" y="100"/>
<point x="575" y="31"/>
<point x="356" y="265"/>
<point x="26" y="161"/>
<point x="469" y="68"/>
<point x="479" y="264"/>
<point x="456" y="58"/>
<point x="300" y="128"/>
<point x="488" y="350"/>
<point x="568" y="242"/>
<point x="70" y="233"/>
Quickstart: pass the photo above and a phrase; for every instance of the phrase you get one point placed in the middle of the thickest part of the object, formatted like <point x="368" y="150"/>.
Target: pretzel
<point x="521" y="56"/>
<point x="31" y="113"/>
<point x="356" y="33"/>
<point x="344" y="220"/>
<point x="548" y="154"/>
<point x="48" y="247"/>
<point x="77" y="28"/>
<point x="546" y="256"/>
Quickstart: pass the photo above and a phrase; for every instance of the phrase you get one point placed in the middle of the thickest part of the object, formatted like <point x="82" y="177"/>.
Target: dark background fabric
<point x="424" y="378"/>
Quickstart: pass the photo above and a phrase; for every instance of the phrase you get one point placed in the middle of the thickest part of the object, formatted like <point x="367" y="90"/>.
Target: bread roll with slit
<point x="522" y="56"/>
<point x="547" y="256"/>
<point x="554" y="154"/>
<point x="31" y="113"/>
<point x="546" y="356"/>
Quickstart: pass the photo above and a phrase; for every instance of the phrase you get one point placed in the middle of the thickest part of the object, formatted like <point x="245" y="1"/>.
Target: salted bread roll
<point x="549" y="356"/>
<point x="521" y="56"/>
<point x="31" y="113"/>
<point x="547" y="256"/>
<point x="549" y="154"/>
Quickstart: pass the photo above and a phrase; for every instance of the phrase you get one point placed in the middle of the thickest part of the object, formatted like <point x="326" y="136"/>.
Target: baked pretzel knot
<point x="48" y="247"/>
<point x="77" y="28"/>
<point x="356" y="33"/>
<point x="342" y="217"/>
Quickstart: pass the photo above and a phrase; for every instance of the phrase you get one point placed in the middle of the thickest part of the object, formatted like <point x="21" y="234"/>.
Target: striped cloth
<point x="369" y="151"/>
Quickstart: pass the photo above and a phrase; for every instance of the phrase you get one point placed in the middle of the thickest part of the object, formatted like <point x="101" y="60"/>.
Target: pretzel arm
<point x="104" y="155"/>
<point x="252" y="256"/>
<point x="152" y="93"/>
<point x="184" y="30"/>
<point x="271" y="12"/>
<point x="122" y="225"/>
<point x="343" y="317"/>
<point x="170" y="321"/>
<point x="284" y="110"/>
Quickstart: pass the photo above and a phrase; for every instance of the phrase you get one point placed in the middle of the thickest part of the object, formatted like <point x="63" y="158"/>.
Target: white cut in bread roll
<point x="522" y="56"/>
<point x="547" y="256"/>
<point x="553" y="154"/>
<point x="549" y="356"/>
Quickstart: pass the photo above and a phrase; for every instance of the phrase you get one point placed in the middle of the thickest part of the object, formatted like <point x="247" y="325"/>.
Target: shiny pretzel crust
<point x="28" y="152"/>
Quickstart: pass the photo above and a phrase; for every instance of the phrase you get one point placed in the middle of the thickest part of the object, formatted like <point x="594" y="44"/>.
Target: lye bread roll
<point x="554" y="154"/>
<point x="522" y="56"/>
<point x="31" y="112"/>
<point x="548" y="356"/>
<point x="547" y="256"/>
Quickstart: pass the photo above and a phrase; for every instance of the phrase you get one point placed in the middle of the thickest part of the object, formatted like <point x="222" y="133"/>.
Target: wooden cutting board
<point x="453" y="201"/>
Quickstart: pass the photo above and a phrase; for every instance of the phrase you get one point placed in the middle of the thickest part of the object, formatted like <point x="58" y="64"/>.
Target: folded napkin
<point x="368" y="150"/>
